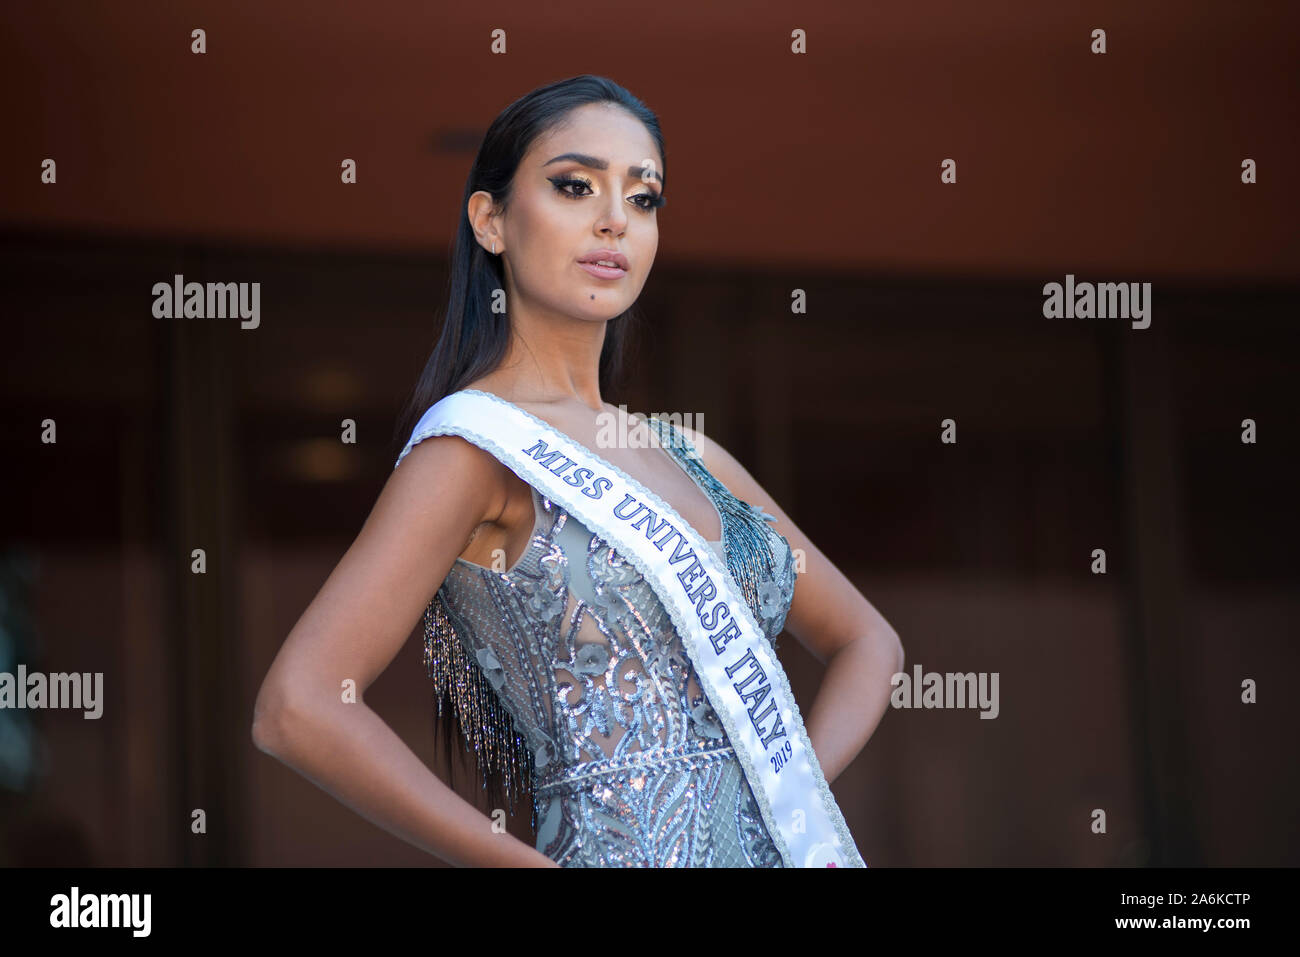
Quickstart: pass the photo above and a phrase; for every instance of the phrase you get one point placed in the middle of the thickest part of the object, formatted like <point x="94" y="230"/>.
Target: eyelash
<point x="560" y="182"/>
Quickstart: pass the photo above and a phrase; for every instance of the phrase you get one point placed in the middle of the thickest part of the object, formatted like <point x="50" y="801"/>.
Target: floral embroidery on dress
<point x="496" y="675"/>
<point x="706" y="720"/>
<point x="591" y="660"/>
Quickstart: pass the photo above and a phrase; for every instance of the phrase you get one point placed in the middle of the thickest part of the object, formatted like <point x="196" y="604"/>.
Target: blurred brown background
<point x="817" y="172"/>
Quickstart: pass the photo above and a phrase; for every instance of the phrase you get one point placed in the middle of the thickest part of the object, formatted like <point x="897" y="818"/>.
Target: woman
<point x="571" y="661"/>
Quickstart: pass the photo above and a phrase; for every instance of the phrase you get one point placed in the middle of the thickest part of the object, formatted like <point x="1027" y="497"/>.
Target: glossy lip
<point x="613" y="255"/>
<point x="603" y="272"/>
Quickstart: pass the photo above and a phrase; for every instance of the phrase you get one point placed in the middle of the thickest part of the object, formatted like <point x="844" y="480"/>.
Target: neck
<point x="552" y="359"/>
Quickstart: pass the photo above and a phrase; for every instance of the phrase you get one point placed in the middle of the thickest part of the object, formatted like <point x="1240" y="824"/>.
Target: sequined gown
<point x="629" y="764"/>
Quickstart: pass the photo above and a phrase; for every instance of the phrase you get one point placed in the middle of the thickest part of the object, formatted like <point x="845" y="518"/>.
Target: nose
<point x="613" y="219"/>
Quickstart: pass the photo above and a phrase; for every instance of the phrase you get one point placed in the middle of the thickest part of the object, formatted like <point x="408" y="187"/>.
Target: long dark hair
<point x="474" y="339"/>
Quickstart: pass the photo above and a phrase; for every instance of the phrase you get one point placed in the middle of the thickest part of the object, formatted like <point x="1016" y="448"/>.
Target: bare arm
<point x="834" y="621"/>
<point x="355" y="626"/>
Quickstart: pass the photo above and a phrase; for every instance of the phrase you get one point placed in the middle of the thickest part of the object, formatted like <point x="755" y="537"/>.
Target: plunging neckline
<point x="722" y="526"/>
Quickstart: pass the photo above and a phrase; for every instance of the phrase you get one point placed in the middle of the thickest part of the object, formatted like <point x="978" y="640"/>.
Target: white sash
<point x="742" y="678"/>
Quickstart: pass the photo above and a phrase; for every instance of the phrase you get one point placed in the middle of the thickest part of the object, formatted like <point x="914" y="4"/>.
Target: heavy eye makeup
<point x="651" y="200"/>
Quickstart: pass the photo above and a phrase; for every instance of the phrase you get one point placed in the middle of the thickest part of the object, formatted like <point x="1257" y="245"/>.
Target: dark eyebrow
<point x="596" y="162"/>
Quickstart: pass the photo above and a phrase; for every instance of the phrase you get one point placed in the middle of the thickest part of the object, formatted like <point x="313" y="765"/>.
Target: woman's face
<point x="564" y="210"/>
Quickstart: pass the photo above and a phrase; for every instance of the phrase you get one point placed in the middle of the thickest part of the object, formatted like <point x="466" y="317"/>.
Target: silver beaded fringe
<point x="485" y="724"/>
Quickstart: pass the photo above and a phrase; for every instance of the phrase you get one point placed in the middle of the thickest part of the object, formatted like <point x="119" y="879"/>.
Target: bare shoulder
<point x="450" y="451"/>
<point x="448" y="471"/>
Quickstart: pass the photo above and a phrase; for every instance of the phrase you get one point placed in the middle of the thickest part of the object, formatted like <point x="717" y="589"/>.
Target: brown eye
<point x="562" y="183"/>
